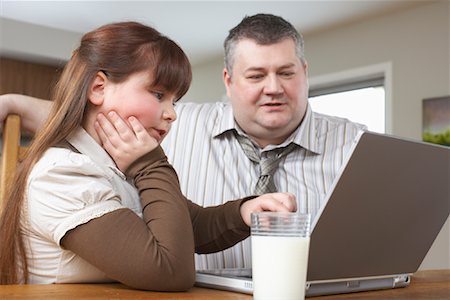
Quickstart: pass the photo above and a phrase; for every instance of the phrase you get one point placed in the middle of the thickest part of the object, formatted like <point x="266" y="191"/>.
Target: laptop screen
<point x="384" y="212"/>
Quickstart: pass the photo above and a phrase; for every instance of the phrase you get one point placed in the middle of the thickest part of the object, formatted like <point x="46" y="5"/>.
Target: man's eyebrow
<point x="287" y="66"/>
<point x="260" y="69"/>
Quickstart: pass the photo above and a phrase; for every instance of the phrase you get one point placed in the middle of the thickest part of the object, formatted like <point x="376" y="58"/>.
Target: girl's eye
<point x="158" y="95"/>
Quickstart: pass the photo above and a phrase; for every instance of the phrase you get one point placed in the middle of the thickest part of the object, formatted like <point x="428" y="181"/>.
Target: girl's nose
<point x="169" y="113"/>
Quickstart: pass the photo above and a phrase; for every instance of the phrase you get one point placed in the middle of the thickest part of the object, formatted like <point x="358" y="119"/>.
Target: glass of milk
<point x="280" y="246"/>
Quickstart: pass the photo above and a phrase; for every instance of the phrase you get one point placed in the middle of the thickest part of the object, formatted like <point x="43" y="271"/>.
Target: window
<point x="363" y="105"/>
<point x="360" y="95"/>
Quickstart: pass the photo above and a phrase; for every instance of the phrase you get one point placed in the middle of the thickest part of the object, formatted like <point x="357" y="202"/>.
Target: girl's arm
<point x="215" y="228"/>
<point x="153" y="253"/>
<point x="157" y="254"/>
<point x="219" y="227"/>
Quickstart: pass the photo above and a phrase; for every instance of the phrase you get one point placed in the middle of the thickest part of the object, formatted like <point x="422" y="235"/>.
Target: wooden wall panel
<point x="27" y="78"/>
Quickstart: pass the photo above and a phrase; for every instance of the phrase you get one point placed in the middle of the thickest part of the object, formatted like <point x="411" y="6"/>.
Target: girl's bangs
<point x="172" y="71"/>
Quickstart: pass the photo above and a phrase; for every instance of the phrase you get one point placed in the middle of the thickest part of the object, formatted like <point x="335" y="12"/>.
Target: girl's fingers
<point x="106" y="125"/>
<point x="115" y="130"/>
<point x="139" y="130"/>
<point x="101" y="133"/>
<point x="274" y="205"/>
<point x="107" y="133"/>
<point x="125" y="141"/>
<point x="287" y="199"/>
<point x="121" y="128"/>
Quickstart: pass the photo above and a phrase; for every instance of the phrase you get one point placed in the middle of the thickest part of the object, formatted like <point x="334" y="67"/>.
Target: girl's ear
<point x="97" y="89"/>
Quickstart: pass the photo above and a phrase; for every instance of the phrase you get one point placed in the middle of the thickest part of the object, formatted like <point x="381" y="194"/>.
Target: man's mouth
<point x="273" y="104"/>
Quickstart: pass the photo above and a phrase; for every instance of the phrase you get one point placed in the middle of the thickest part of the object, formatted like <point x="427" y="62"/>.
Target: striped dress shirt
<point x="213" y="168"/>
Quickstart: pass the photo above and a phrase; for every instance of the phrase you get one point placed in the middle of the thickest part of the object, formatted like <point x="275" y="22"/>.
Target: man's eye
<point x="255" y="76"/>
<point x="287" y="74"/>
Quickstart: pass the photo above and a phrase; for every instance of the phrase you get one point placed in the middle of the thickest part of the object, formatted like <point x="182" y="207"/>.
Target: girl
<point x="77" y="214"/>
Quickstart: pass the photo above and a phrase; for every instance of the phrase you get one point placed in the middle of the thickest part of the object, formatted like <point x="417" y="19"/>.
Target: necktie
<point x="267" y="164"/>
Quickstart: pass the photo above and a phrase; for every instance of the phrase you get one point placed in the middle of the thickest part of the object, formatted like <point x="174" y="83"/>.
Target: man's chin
<point x="275" y="124"/>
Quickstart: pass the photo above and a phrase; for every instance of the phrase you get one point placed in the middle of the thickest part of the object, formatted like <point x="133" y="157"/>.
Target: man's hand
<point x="124" y="144"/>
<point x="32" y="111"/>
<point x="276" y="202"/>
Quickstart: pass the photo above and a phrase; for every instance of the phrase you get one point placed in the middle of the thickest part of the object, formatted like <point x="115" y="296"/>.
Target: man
<point x="220" y="149"/>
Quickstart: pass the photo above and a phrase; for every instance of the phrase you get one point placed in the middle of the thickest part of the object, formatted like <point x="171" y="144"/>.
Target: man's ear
<point x="305" y="67"/>
<point x="97" y="89"/>
<point x="227" y="81"/>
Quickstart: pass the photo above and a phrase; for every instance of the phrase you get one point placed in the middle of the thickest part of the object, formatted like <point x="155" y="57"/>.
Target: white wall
<point x="415" y="41"/>
<point x="207" y="84"/>
<point x="37" y="43"/>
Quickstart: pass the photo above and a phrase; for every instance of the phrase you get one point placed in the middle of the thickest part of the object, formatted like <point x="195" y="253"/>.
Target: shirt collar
<point x="226" y="122"/>
<point x="86" y="145"/>
<point x="305" y="135"/>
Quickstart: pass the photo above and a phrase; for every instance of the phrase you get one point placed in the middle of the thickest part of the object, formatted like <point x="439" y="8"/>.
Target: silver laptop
<point x="380" y="219"/>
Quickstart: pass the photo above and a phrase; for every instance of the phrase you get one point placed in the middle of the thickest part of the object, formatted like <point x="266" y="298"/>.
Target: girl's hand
<point x="277" y="202"/>
<point x="124" y="144"/>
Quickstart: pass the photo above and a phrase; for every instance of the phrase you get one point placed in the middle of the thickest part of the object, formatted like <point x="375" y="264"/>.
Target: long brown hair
<point x="119" y="50"/>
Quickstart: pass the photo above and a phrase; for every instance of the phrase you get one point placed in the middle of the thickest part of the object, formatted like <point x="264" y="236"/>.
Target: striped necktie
<point x="267" y="164"/>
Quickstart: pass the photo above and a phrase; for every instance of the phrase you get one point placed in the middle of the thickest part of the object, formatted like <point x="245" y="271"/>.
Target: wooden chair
<point x="12" y="153"/>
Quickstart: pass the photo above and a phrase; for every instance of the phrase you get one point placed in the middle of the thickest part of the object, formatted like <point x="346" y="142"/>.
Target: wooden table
<point x="424" y="285"/>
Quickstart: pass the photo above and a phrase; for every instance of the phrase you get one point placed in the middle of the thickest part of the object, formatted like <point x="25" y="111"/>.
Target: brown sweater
<point x="156" y="252"/>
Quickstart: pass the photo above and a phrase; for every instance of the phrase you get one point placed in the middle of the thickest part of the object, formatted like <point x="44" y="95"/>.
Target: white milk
<point x="279" y="266"/>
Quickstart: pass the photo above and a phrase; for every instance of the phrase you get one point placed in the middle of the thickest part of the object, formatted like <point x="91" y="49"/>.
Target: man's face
<point x="268" y="90"/>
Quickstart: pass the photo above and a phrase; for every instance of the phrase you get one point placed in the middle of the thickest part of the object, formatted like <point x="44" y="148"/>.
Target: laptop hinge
<point x="353" y="284"/>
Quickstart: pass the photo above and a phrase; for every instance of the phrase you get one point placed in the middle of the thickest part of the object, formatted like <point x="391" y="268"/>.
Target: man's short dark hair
<point x="264" y="29"/>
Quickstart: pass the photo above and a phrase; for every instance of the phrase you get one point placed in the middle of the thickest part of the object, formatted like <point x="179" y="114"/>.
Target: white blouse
<point x="66" y="189"/>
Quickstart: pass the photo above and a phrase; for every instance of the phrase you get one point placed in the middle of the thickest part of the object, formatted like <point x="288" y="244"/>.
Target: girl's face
<point x="136" y="97"/>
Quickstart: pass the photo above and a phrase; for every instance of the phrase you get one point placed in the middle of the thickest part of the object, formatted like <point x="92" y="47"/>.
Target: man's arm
<point x="33" y="111"/>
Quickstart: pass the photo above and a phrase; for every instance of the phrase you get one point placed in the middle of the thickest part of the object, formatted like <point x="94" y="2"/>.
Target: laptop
<point x="381" y="217"/>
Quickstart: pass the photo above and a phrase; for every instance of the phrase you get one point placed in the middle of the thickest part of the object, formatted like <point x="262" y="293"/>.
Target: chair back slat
<point x="12" y="153"/>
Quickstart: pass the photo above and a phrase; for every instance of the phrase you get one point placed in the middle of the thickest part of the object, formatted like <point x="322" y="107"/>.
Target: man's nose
<point x="273" y="85"/>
